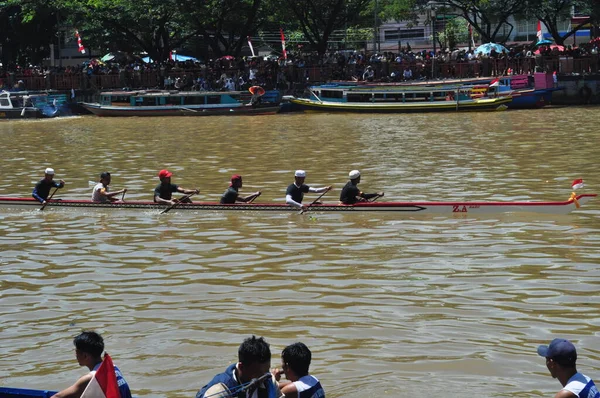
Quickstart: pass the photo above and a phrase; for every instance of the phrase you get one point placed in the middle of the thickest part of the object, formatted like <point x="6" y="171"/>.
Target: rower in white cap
<point x="42" y="188"/>
<point x="351" y="194"/>
<point x="295" y="192"/>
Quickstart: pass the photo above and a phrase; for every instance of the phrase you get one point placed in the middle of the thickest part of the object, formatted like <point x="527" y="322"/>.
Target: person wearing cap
<point x="295" y="192"/>
<point x="100" y="193"/>
<point x="231" y="195"/>
<point x="560" y="357"/>
<point x="295" y="361"/>
<point x="351" y="194"/>
<point x="43" y="187"/>
<point x="163" y="193"/>
<point x="254" y="361"/>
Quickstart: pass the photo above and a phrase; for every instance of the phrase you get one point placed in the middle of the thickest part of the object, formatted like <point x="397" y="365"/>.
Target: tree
<point x="551" y="12"/>
<point x="225" y="24"/>
<point x="317" y="19"/>
<point x="487" y="17"/>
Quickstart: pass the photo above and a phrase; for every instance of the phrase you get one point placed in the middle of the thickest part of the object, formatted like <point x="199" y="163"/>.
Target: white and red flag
<point x="495" y="82"/>
<point x="250" y="45"/>
<point x="283" y="43"/>
<point x="539" y="33"/>
<point x="577" y="184"/>
<point x="79" y="43"/>
<point x="104" y="382"/>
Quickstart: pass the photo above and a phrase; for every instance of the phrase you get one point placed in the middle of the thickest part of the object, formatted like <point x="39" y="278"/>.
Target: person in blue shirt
<point x="561" y="357"/>
<point x="43" y="187"/>
<point x="295" y="361"/>
<point x="89" y="346"/>
<point x="254" y="361"/>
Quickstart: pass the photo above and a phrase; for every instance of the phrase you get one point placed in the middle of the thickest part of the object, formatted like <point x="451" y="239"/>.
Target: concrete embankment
<point x="577" y="90"/>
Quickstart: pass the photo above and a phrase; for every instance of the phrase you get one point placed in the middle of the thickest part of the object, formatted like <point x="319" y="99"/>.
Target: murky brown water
<point x="390" y="305"/>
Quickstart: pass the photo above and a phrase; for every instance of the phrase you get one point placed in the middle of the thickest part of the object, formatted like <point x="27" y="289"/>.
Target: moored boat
<point x="9" y="392"/>
<point x="181" y="103"/>
<point x="421" y="207"/>
<point x="383" y="99"/>
<point x="24" y="105"/>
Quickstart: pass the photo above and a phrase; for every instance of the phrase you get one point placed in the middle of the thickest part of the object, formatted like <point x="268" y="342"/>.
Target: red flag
<point x="79" y="43"/>
<point x="495" y="82"/>
<point x="539" y="31"/>
<point x="578" y="183"/>
<point x="283" y="43"/>
<point x="104" y="382"/>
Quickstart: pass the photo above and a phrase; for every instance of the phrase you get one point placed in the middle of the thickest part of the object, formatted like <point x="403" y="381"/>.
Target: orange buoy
<point x="256" y="90"/>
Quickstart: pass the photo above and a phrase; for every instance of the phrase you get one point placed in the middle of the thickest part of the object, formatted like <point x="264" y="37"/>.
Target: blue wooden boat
<point x="28" y="105"/>
<point x="8" y="392"/>
<point x="182" y="103"/>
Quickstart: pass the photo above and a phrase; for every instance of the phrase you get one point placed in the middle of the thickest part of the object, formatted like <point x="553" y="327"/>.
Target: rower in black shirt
<point x="295" y="192"/>
<point x="231" y="195"/>
<point x="43" y="187"/>
<point x="351" y="194"/>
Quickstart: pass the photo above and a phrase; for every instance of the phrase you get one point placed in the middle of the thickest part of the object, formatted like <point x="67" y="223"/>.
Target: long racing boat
<point x="451" y="207"/>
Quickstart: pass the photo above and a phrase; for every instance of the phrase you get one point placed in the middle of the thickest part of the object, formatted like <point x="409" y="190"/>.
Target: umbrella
<point x="486" y="48"/>
<point x="227" y="58"/>
<point x="174" y="57"/>
<point x="257" y="90"/>
<point x="544" y="42"/>
<point x="552" y="47"/>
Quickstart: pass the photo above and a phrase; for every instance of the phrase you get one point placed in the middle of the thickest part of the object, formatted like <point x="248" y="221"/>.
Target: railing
<point x="297" y="76"/>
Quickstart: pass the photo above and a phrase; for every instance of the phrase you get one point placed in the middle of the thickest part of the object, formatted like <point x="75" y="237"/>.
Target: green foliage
<point x="455" y="31"/>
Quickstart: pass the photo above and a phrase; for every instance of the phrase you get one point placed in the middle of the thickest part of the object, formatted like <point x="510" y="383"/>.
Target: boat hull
<point x="19" y="113"/>
<point x="226" y="109"/>
<point x="487" y="104"/>
<point x="393" y="207"/>
<point x="8" y="392"/>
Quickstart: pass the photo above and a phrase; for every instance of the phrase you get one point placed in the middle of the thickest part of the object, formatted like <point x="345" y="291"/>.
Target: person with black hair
<point x="89" y="346"/>
<point x="561" y="357"/>
<point x="100" y="193"/>
<point x="254" y="361"/>
<point x="295" y="361"/>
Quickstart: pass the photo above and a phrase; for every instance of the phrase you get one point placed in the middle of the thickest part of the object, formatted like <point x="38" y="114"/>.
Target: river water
<point x="390" y="304"/>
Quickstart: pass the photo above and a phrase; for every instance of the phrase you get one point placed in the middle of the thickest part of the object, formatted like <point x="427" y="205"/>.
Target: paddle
<point x="313" y="202"/>
<point x="255" y="196"/>
<point x="373" y="199"/>
<point x="48" y="200"/>
<point x="178" y="202"/>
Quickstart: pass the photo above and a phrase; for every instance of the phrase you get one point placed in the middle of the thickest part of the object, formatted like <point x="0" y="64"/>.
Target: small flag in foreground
<point x="577" y="184"/>
<point x="79" y="43"/>
<point x="104" y="382"/>
<point x="283" y="43"/>
<point x="495" y="82"/>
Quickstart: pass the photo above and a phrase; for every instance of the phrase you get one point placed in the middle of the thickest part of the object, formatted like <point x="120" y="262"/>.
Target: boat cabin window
<point x="358" y="97"/>
<point x="194" y="100"/>
<point x="172" y="100"/>
<point x="4" y="102"/>
<point x="332" y="94"/>
<point x="213" y="99"/>
<point x="145" y="101"/>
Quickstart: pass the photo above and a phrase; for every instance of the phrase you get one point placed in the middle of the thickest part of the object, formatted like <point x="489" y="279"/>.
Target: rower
<point x="100" y="193"/>
<point x="42" y="188"/>
<point x="295" y="192"/>
<point x="231" y="195"/>
<point x="351" y="194"/>
<point x="163" y="191"/>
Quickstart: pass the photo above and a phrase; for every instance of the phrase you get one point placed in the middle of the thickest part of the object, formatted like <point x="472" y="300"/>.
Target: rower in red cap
<point x="231" y="195"/>
<point x="163" y="191"/>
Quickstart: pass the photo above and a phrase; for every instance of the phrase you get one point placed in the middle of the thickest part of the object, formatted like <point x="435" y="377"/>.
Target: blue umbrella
<point x="544" y="42"/>
<point x="175" y="57"/>
<point x="486" y="48"/>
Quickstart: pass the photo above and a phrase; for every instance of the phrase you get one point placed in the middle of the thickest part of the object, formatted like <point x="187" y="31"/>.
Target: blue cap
<point x="558" y="348"/>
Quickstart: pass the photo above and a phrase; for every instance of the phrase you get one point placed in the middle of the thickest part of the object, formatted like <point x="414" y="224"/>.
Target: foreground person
<point x="560" y="357"/>
<point x="351" y="194"/>
<point x="254" y="360"/>
<point x="43" y="187"/>
<point x="295" y="192"/>
<point x="88" y="351"/>
<point x="232" y="195"/>
<point x="163" y="193"/>
<point x="100" y="193"/>
<point x="295" y="361"/>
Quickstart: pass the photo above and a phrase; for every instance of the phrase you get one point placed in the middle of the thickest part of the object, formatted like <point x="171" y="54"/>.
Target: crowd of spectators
<point x="272" y="72"/>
